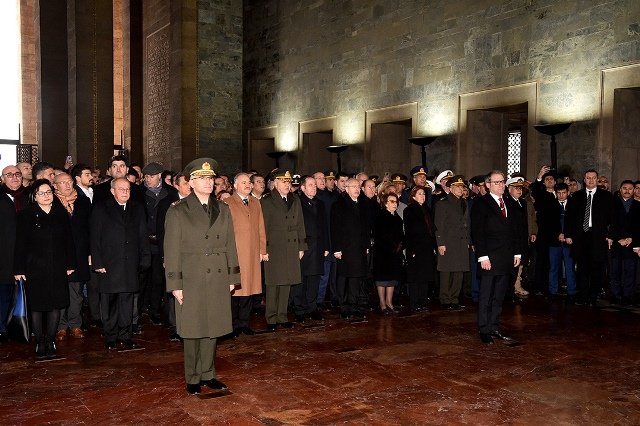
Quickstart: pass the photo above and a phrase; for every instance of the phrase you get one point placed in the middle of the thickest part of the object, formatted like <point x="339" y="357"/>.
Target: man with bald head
<point x="12" y="199"/>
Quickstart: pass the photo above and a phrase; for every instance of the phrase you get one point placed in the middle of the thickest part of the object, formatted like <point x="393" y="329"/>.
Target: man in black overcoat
<point x="587" y="231"/>
<point x="350" y="241"/>
<point x="305" y="295"/>
<point x="119" y="250"/>
<point x="12" y="199"/>
<point x="498" y="244"/>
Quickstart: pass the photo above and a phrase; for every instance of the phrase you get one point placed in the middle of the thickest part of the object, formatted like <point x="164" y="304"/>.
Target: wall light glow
<point x="349" y="129"/>
<point x="288" y="140"/>
<point x="437" y="122"/>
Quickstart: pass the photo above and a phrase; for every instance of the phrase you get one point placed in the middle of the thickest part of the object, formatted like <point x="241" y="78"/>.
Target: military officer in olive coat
<point x="284" y="224"/>
<point x="201" y="265"/>
<point x="453" y="239"/>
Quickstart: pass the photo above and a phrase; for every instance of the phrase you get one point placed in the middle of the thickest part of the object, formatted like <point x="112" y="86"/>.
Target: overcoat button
<point x="208" y="270"/>
<point x="206" y="237"/>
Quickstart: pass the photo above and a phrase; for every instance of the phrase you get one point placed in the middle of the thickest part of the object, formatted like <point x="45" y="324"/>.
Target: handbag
<point x="18" y="323"/>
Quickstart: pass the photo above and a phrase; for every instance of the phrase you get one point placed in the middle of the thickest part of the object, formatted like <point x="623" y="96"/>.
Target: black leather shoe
<point x="500" y="336"/>
<point x="213" y="384"/>
<point x="316" y="316"/>
<point x="486" y="338"/>
<point x="247" y="331"/>
<point x="136" y="329"/>
<point x="193" y="389"/>
<point x="272" y="327"/>
<point x="287" y="324"/>
<point x="110" y="345"/>
<point x="129" y="344"/>
<point x="174" y="337"/>
<point x="344" y="315"/>
<point x="299" y="318"/>
<point x="155" y="319"/>
<point x="95" y="323"/>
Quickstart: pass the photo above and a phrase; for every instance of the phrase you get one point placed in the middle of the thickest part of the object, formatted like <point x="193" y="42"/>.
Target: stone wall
<point x="305" y="60"/>
<point x="220" y="82"/>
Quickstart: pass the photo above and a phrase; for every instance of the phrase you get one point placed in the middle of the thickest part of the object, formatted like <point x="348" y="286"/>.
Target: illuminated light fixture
<point x="337" y="149"/>
<point x="422" y="142"/>
<point x="552" y="130"/>
<point x="276" y="155"/>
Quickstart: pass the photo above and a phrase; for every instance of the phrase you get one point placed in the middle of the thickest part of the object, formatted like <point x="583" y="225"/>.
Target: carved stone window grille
<point x="514" y="145"/>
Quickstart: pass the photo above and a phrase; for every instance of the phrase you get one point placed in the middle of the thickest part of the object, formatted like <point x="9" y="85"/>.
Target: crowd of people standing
<point x="200" y="251"/>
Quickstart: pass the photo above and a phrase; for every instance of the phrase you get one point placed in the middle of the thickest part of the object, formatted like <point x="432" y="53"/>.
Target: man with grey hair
<point x="350" y="240"/>
<point x="251" y="244"/>
<point x="498" y="246"/>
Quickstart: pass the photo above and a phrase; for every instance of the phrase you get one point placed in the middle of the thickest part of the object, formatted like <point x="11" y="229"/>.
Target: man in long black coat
<point x="498" y="244"/>
<point x="305" y="295"/>
<point x="587" y="232"/>
<point x="11" y="200"/>
<point x="350" y="241"/>
<point x="119" y="250"/>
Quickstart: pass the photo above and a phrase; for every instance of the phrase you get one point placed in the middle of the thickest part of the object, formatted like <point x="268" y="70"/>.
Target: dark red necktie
<point x="502" y="209"/>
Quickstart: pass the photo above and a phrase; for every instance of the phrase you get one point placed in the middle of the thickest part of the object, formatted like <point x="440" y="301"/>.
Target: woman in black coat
<point x="387" y="252"/>
<point x="44" y="258"/>
<point x="420" y="244"/>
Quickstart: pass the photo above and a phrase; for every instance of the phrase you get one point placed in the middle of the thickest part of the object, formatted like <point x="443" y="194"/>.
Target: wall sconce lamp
<point x="337" y="149"/>
<point x="552" y="130"/>
<point x="422" y="142"/>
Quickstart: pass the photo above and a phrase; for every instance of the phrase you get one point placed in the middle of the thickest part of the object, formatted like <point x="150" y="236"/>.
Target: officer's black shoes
<point x="212" y="384"/>
<point x="193" y="389"/>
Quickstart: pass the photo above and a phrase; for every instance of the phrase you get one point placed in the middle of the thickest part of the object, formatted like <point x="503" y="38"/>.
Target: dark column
<point x="53" y="81"/>
<point x="91" y="30"/>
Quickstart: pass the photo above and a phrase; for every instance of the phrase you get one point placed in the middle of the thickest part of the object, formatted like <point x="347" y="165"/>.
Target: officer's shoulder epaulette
<point x="266" y="196"/>
<point x="178" y="202"/>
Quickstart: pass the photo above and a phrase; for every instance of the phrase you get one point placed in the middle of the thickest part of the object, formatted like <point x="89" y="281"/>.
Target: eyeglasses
<point x="13" y="175"/>
<point x="44" y="193"/>
<point x="123" y="189"/>
<point x="497" y="182"/>
<point x="392" y="201"/>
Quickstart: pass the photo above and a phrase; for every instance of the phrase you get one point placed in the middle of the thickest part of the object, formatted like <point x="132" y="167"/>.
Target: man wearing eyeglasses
<point x="12" y="199"/>
<point x="119" y="251"/>
<point x="498" y="246"/>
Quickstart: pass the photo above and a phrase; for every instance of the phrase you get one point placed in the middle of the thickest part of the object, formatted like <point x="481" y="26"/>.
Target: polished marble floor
<point x="576" y="365"/>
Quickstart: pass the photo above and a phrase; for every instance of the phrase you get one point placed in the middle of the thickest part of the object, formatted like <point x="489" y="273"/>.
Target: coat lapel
<point x="214" y="210"/>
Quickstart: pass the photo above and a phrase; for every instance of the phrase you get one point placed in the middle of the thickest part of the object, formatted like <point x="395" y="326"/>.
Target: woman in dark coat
<point x="44" y="258"/>
<point x="387" y="252"/>
<point x="420" y="244"/>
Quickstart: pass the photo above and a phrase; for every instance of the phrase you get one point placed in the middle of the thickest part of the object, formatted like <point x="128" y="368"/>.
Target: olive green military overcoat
<point x="286" y="236"/>
<point x="201" y="260"/>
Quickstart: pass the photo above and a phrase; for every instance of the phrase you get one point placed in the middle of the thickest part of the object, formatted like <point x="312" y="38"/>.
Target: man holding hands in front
<point x="201" y="266"/>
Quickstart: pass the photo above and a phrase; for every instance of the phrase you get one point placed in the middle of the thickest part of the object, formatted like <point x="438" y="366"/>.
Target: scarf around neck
<point x="69" y="201"/>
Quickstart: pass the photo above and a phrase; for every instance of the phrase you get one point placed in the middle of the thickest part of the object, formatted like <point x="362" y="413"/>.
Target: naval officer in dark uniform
<point x="202" y="270"/>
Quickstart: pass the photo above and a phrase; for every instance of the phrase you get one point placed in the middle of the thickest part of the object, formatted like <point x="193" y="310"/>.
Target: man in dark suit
<point x="559" y="251"/>
<point x="119" y="250"/>
<point x="78" y="209"/>
<point x="546" y="206"/>
<point x="498" y="244"/>
<point x="81" y="174"/>
<point x="305" y="295"/>
<point x="587" y="231"/>
<point x="12" y="199"/>
<point x="626" y="220"/>
<point x="350" y="241"/>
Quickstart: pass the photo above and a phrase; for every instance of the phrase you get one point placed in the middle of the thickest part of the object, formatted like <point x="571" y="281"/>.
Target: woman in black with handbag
<point x="420" y="244"/>
<point x="44" y="257"/>
<point x="387" y="252"/>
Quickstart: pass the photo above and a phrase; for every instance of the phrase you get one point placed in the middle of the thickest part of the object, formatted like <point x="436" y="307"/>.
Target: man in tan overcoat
<point x="201" y="265"/>
<point x="251" y="242"/>
<point x="286" y="236"/>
